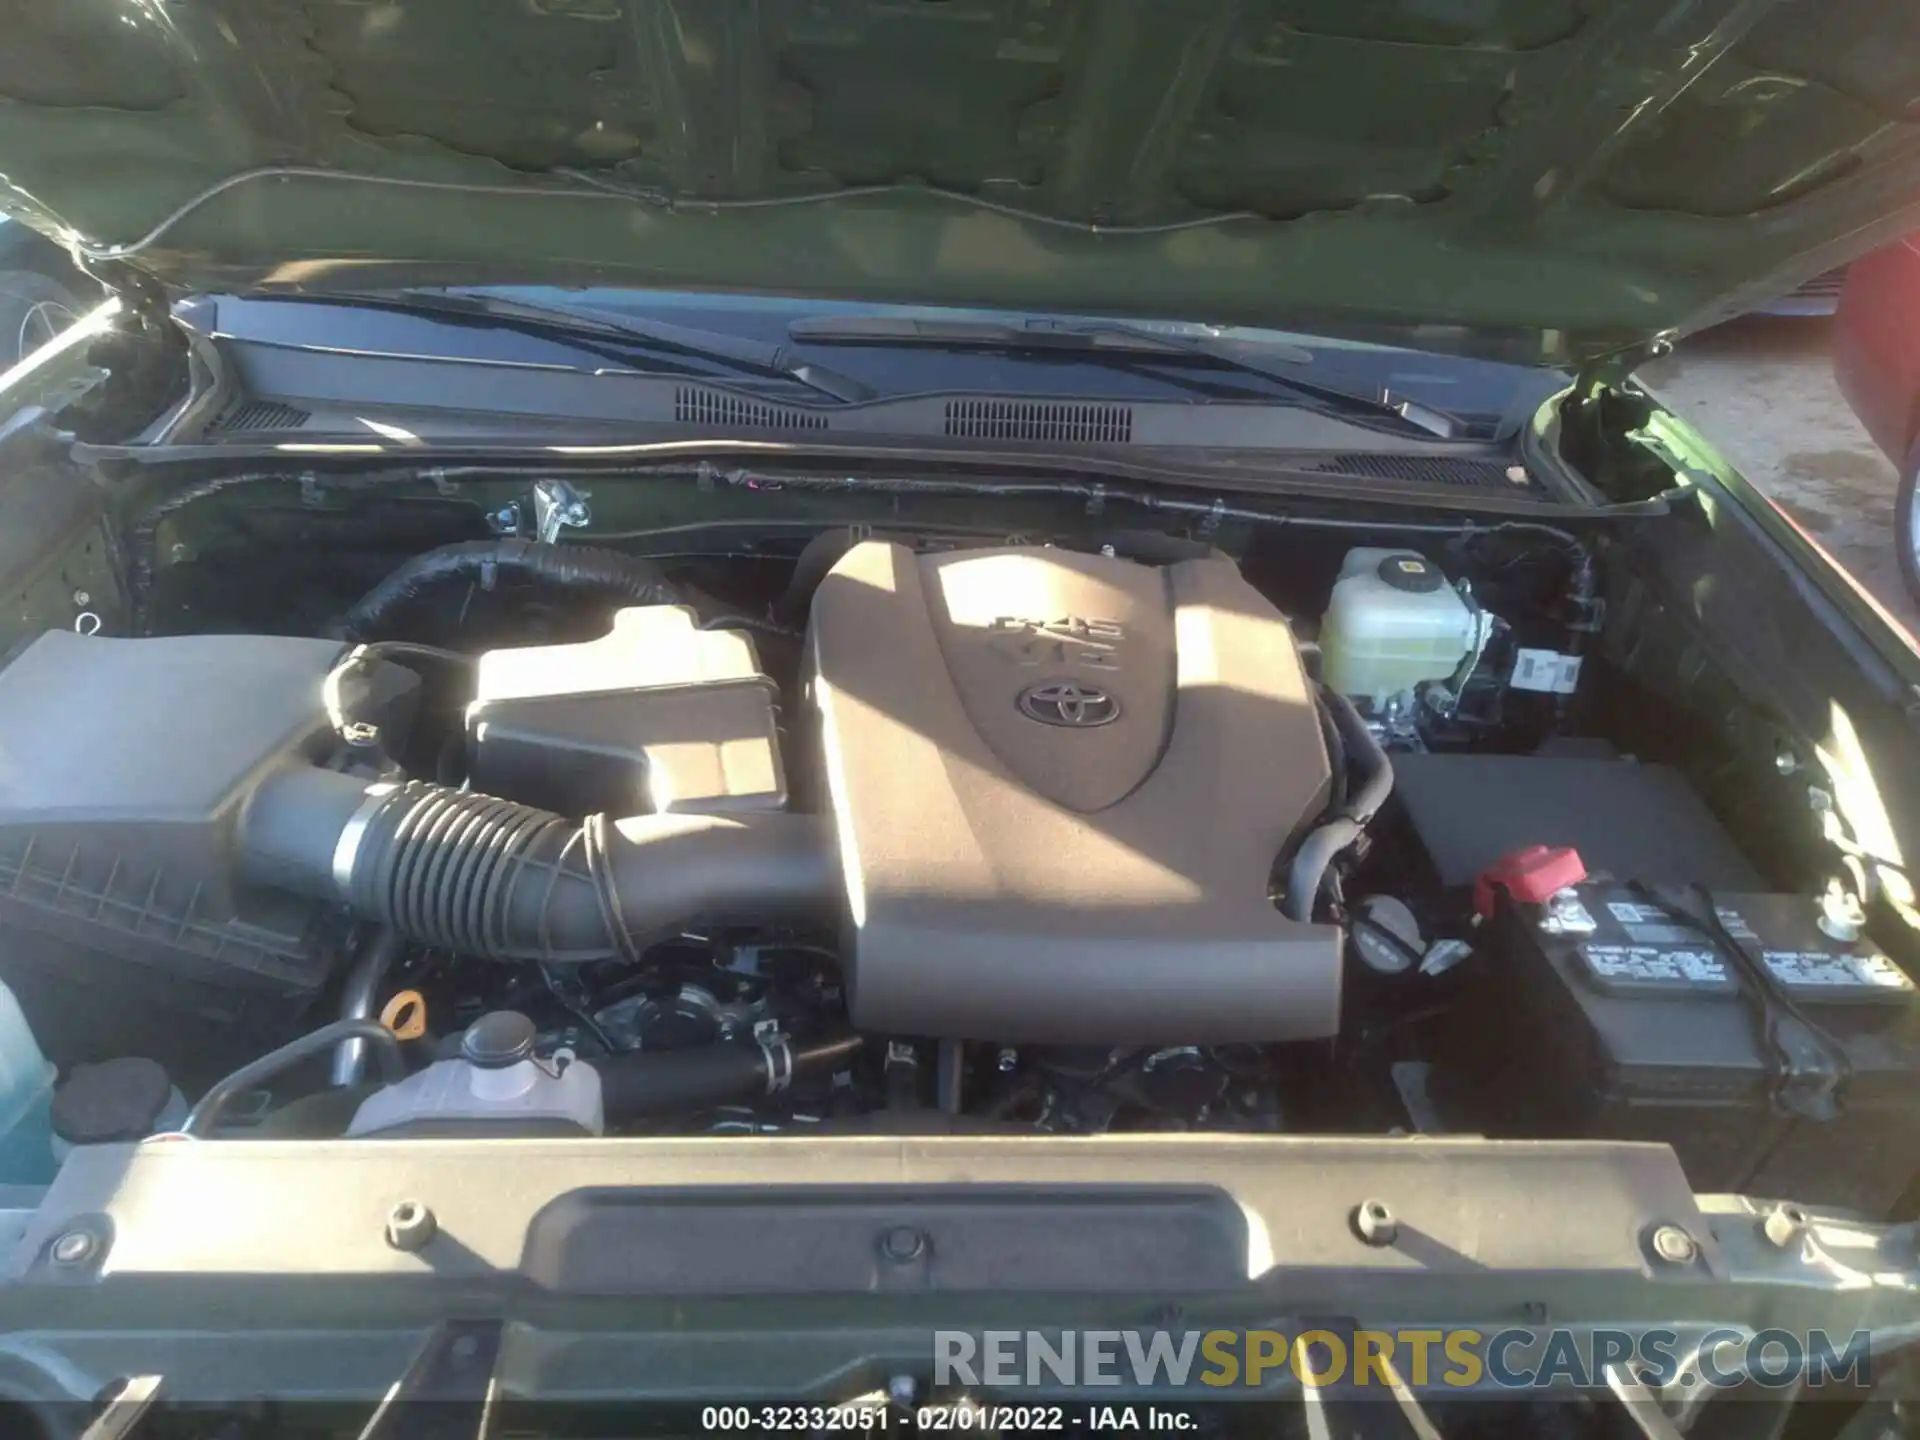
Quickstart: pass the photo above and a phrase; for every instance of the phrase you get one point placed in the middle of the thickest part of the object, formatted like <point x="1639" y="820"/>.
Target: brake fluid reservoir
<point x="1392" y="622"/>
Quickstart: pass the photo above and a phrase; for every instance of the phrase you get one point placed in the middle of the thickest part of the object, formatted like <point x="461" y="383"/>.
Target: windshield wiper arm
<point x="1093" y="341"/>
<point x="738" y="352"/>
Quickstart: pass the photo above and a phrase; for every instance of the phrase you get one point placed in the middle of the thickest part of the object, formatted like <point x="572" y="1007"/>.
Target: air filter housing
<point x="657" y="715"/>
<point x="127" y="924"/>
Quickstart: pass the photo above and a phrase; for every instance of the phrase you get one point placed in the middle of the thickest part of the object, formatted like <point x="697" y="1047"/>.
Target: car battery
<point x="1790" y="1069"/>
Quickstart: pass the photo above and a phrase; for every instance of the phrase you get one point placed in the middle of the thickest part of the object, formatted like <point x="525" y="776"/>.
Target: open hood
<point x="1537" y="179"/>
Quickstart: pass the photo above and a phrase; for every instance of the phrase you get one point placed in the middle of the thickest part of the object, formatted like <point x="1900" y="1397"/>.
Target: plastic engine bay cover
<point x="1060" y="783"/>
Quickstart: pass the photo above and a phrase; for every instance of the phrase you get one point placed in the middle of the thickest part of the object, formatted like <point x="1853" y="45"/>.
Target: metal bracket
<point x="447" y="1390"/>
<point x="125" y="1409"/>
<point x="1341" y="1410"/>
<point x="1210" y="522"/>
<point x="779" y="1055"/>
<point x="557" y="506"/>
<point x="1640" y="1406"/>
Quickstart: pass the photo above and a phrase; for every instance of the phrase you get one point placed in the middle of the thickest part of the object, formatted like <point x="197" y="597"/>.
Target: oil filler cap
<point x="1411" y="574"/>
<point x="497" y="1040"/>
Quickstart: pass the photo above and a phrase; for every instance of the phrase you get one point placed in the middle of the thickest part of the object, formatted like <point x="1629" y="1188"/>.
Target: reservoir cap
<point x="1411" y="574"/>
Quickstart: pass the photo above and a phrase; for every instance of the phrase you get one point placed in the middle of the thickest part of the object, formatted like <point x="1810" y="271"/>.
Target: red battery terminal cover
<point x="1530" y="875"/>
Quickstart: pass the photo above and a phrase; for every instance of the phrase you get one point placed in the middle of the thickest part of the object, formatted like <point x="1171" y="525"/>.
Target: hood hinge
<point x="1605" y="371"/>
<point x="141" y="295"/>
<point x="143" y="356"/>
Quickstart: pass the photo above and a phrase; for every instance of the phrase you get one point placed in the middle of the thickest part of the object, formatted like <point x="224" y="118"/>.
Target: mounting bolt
<point x="901" y="1243"/>
<point x="1785" y="761"/>
<point x="81" y="597"/>
<point x="360" y="734"/>
<point x="1373" y="1222"/>
<point x="1007" y="1060"/>
<point x="410" y="1225"/>
<point x="507" y="517"/>
<point x="1674" y="1245"/>
<point x="1784" y="1225"/>
<point x="901" y="1389"/>
<point x="76" y="1247"/>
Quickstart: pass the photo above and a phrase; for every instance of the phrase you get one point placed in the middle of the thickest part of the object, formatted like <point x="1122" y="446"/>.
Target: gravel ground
<point x="1762" y="391"/>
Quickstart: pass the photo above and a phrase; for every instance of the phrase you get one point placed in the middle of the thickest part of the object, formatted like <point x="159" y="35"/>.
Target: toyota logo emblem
<point x="1062" y="702"/>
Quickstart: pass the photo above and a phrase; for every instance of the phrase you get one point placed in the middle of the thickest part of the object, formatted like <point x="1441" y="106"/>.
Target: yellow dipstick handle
<point x="406" y="1015"/>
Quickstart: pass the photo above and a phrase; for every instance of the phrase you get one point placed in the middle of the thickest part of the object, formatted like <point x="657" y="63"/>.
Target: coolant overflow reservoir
<point x="1392" y="622"/>
<point x="496" y="1087"/>
<point x="26" y="1091"/>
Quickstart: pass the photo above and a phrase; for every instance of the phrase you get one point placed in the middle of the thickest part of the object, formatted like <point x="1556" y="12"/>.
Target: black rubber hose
<point x="1337" y="755"/>
<point x="655" y="1082"/>
<point x="499" y="880"/>
<point x="1348" y="822"/>
<point x="581" y="568"/>
<point x="913" y="1123"/>
<point x="360" y="999"/>
<point x="1364" y="751"/>
<point x="386" y="1050"/>
<point x="816" y="558"/>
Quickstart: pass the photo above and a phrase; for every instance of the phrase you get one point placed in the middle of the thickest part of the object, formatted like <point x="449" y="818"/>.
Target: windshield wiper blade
<point x="1037" y="334"/>
<point x="738" y="352"/>
<point x="1093" y="341"/>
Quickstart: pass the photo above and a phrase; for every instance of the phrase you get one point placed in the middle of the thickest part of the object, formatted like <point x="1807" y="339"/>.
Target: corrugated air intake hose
<point x="492" y="878"/>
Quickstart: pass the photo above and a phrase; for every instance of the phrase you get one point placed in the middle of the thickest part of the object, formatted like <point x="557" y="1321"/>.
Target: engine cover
<point x="1060" y="782"/>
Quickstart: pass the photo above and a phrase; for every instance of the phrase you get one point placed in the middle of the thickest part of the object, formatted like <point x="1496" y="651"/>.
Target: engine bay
<point x="885" y="832"/>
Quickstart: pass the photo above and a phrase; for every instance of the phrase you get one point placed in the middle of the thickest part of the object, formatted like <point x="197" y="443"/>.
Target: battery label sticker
<point x="1547" y="671"/>
<point x="1661" y="934"/>
<point x="1650" y="925"/>
<point x="1835" y="972"/>
<point x="1646" y="964"/>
